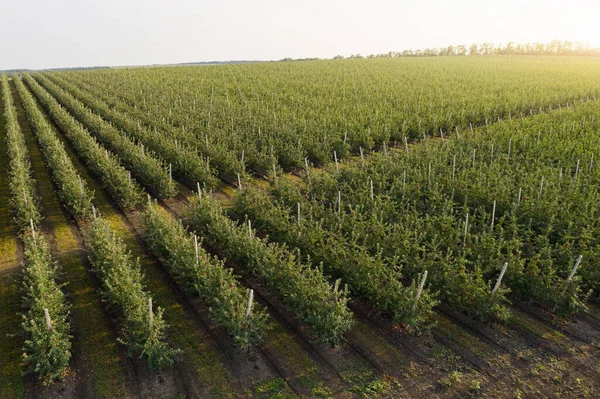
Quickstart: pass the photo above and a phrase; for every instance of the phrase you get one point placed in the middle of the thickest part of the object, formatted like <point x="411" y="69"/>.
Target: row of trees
<point x="555" y="47"/>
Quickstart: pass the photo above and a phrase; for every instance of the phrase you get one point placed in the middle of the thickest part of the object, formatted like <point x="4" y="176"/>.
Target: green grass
<point x="11" y="383"/>
<point x="90" y="325"/>
<point x="275" y="388"/>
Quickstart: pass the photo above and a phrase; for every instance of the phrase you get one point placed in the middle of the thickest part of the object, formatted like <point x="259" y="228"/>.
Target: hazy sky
<point x="63" y="33"/>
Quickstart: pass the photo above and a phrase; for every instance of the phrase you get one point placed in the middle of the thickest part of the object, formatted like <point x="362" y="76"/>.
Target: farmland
<point x="404" y="227"/>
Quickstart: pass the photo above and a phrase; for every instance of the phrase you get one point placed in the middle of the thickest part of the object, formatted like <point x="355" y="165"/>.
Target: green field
<point x="403" y="227"/>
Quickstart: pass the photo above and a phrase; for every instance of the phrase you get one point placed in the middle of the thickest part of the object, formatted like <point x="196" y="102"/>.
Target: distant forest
<point x="555" y="47"/>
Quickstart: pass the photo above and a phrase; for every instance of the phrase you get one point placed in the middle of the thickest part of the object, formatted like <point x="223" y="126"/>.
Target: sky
<point x="38" y="34"/>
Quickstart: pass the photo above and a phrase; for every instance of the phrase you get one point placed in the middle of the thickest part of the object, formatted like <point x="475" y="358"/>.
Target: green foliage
<point x="304" y="290"/>
<point x="46" y="352"/>
<point x="24" y="200"/>
<point x="283" y="112"/>
<point x="149" y="169"/>
<point x="185" y="160"/>
<point x="122" y="288"/>
<point x="205" y="276"/>
<point x="366" y="274"/>
<point x="73" y="191"/>
<point x="114" y="177"/>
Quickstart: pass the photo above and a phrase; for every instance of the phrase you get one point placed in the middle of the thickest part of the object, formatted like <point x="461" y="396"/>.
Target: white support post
<point x="404" y="182"/>
<point x="94" y="212"/>
<point x="420" y="290"/>
<point x="337" y="167"/>
<point x="32" y="229"/>
<point x="242" y="160"/>
<point x="500" y="277"/>
<point x="199" y="190"/>
<point x="493" y="214"/>
<point x="568" y="280"/>
<point x="572" y="274"/>
<point x="429" y="175"/>
<point x="577" y="169"/>
<point x="298" y="214"/>
<point x="509" y="145"/>
<point x="250" y="301"/>
<point x="48" y="320"/>
<point x="249" y="228"/>
<point x="129" y="177"/>
<point x="519" y="196"/>
<point x="453" y="167"/>
<point x="339" y="201"/>
<point x="150" y="315"/>
<point x="196" y="248"/>
<point x="239" y="182"/>
<point x="307" y="170"/>
<point x="466" y="230"/>
<point x="362" y="156"/>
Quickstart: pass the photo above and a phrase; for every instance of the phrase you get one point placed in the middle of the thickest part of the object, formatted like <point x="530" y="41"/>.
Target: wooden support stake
<point x="500" y="277"/>
<point x="420" y="290"/>
<point x="249" y="228"/>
